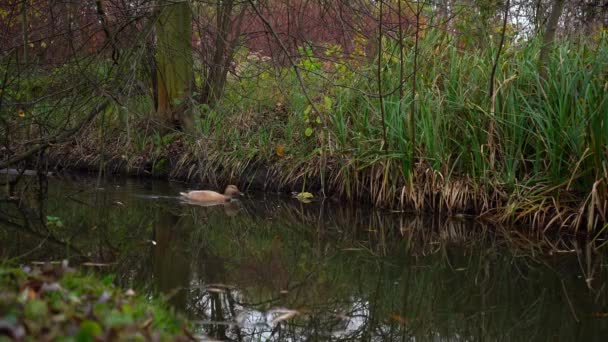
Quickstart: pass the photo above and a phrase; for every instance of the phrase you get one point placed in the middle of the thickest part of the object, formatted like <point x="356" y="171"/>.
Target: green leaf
<point x="35" y="309"/>
<point x="308" y="131"/>
<point x="88" y="331"/>
<point x="327" y="103"/>
<point x="307" y="110"/>
<point x="55" y="221"/>
<point x="318" y="120"/>
<point x="116" y="319"/>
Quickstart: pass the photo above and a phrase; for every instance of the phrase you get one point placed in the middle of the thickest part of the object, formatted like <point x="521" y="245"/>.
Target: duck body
<point x="211" y="197"/>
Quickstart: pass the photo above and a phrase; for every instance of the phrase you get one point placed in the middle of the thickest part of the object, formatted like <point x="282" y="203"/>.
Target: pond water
<point x="271" y="268"/>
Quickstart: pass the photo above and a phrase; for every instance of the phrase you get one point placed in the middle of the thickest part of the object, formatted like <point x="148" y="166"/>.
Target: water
<point x="272" y="268"/>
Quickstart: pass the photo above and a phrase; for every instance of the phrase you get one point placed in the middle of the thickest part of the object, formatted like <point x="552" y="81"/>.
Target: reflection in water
<point x="271" y="268"/>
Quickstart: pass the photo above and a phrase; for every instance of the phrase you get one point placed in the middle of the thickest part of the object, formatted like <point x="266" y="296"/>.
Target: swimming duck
<point x="212" y="197"/>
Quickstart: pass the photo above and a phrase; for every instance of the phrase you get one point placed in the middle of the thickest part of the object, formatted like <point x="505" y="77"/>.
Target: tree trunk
<point x="174" y="64"/>
<point x="549" y="36"/>
<point x="226" y="42"/>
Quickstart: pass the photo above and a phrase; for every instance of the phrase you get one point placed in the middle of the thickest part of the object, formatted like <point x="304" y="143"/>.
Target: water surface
<point x="272" y="268"/>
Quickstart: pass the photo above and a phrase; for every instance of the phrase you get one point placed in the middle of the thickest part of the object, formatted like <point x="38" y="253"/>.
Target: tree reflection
<point x="276" y="269"/>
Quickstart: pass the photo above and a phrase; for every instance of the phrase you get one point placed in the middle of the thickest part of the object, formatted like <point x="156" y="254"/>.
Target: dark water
<point x="272" y="268"/>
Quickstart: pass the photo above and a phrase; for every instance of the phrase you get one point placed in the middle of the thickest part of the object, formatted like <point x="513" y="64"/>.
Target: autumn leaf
<point x="280" y="150"/>
<point x="304" y="197"/>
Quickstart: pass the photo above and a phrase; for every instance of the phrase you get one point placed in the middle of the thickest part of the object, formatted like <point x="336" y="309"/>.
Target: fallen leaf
<point x="280" y="150"/>
<point x="31" y="294"/>
<point x="304" y="197"/>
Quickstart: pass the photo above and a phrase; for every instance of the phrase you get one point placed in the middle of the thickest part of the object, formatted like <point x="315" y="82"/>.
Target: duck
<point x="212" y="197"/>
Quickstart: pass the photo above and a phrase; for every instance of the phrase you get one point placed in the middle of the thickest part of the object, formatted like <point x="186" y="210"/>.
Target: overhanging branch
<point x="56" y="139"/>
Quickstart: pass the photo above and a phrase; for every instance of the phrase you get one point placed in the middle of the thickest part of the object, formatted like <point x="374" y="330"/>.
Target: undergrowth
<point x="55" y="302"/>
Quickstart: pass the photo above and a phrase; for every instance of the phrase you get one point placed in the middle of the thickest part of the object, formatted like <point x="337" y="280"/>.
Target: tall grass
<point x="535" y="151"/>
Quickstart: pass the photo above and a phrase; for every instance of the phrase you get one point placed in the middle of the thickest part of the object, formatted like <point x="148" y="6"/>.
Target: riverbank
<point x="382" y="183"/>
<point x="530" y="152"/>
<point x="56" y="302"/>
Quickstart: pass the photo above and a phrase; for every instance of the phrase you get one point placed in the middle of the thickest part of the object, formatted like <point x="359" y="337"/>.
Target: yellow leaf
<point x="280" y="150"/>
<point x="21" y="113"/>
<point x="304" y="197"/>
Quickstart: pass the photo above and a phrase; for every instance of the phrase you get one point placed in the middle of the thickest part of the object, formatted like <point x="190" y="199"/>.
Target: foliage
<point x="54" y="302"/>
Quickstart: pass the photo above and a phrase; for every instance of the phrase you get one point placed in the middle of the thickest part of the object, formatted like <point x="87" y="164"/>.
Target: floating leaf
<point x="308" y="131"/>
<point x="304" y="197"/>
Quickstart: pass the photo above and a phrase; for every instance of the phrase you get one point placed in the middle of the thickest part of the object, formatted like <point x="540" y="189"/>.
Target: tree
<point x="549" y="36"/>
<point x="174" y="64"/>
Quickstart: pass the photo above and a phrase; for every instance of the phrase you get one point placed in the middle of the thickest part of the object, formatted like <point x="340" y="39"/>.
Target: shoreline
<point x="380" y="185"/>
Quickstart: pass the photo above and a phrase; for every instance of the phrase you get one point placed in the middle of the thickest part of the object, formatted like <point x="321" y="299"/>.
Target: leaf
<point x="307" y="110"/>
<point x="304" y="197"/>
<point x="115" y="319"/>
<point x="308" y="131"/>
<point x="327" y="103"/>
<point x="280" y="150"/>
<point x="88" y="331"/>
<point x="35" y="309"/>
<point x="318" y="120"/>
<point x="55" y="221"/>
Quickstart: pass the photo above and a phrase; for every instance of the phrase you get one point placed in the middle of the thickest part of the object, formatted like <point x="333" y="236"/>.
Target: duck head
<point x="232" y="191"/>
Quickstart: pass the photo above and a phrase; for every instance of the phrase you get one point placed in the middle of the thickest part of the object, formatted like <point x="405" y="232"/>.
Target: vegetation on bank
<point x="55" y="302"/>
<point x="418" y="109"/>
<point x="535" y="153"/>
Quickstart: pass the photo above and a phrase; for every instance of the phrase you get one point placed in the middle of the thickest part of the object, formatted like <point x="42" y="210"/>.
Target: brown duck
<point x="211" y="197"/>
